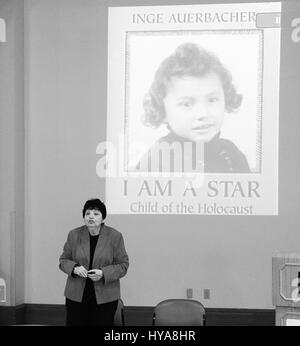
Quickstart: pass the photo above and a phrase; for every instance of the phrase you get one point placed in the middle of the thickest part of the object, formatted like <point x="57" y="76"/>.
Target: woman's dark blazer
<point x="110" y="256"/>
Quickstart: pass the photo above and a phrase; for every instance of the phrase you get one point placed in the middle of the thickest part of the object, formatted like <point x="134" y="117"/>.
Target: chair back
<point x="179" y="312"/>
<point x="119" y="315"/>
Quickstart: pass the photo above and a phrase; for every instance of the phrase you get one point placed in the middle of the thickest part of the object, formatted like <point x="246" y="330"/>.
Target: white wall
<point x="66" y="57"/>
<point x="12" y="152"/>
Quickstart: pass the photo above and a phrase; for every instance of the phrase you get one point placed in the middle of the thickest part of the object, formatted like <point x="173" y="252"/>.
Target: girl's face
<point x="93" y="218"/>
<point x="195" y="106"/>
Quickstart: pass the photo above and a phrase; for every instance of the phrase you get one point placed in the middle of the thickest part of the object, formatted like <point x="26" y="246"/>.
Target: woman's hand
<point x="95" y="274"/>
<point x="80" y="271"/>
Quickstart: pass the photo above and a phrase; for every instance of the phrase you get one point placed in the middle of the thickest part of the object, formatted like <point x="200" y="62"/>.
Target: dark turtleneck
<point x="220" y="155"/>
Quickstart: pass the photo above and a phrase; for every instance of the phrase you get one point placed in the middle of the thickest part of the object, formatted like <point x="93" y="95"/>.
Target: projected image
<point x="193" y="101"/>
<point x="193" y="109"/>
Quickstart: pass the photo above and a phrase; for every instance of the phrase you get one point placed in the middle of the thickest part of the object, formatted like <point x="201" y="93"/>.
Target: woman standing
<point x="94" y="258"/>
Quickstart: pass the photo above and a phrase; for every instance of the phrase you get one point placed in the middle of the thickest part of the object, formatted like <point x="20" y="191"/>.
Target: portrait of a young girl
<point x="191" y="94"/>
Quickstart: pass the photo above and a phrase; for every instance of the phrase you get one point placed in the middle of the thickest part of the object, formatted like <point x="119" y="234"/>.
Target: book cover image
<point x="193" y="102"/>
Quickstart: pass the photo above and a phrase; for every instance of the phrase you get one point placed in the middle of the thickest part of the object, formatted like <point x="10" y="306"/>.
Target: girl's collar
<point x="173" y="137"/>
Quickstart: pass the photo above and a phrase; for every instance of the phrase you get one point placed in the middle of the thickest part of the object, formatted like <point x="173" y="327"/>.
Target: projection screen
<point x="193" y="110"/>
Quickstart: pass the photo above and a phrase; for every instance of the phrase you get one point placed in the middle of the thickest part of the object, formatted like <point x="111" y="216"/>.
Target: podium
<point x="286" y="289"/>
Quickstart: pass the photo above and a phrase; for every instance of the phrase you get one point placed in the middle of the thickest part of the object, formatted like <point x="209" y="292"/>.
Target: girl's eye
<point x="185" y="104"/>
<point x="213" y="99"/>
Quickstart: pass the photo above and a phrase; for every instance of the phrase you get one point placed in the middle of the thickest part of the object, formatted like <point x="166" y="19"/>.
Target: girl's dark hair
<point x="188" y="59"/>
<point x="94" y="203"/>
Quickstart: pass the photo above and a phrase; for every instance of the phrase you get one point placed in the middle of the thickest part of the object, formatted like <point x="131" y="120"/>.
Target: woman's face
<point x="93" y="218"/>
<point x="195" y="106"/>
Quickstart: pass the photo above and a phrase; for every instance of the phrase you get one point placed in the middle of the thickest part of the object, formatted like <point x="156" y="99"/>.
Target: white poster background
<point x="130" y="46"/>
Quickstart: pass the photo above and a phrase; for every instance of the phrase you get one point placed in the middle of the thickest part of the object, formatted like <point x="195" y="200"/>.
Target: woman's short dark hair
<point x="188" y="59"/>
<point x="96" y="204"/>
